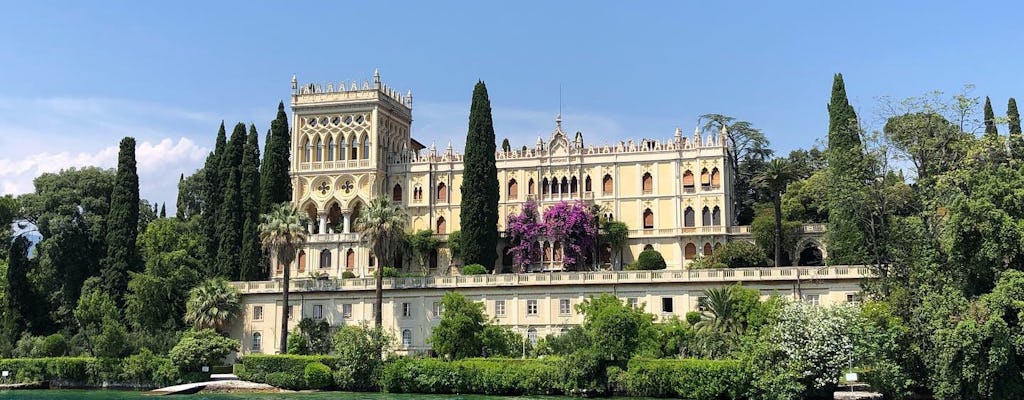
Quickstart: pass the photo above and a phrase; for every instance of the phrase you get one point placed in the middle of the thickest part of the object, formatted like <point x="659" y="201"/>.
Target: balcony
<point x="332" y="238"/>
<point x="732" y="275"/>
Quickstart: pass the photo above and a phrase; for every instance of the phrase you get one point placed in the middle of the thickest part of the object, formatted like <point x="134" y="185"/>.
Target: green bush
<point x="146" y="367"/>
<point x="584" y="373"/>
<point x="54" y="346"/>
<point x="282" y="370"/>
<point x="142" y="369"/>
<point x="693" y="317"/>
<point x="491" y="376"/>
<point x="297" y="343"/>
<point x="391" y="272"/>
<point x="347" y="275"/>
<point x="690" y="379"/>
<point x="650" y="260"/>
<point x="318" y="376"/>
<point x="474" y="269"/>
<point x="201" y="348"/>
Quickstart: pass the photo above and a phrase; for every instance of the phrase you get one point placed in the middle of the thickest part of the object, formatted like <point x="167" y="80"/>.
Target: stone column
<point x="346" y="218"/>
<point x="323" y="224"/>
<point x="309" y="227"/>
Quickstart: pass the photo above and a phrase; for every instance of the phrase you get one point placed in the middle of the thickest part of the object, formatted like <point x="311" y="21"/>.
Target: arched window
<point x="350" y="259"/>
<point x="544" y="186"/>
<point x="257" y="341"/>
<point x="705" y="217"/>
<point x="531" y="335"/>
<point x="690" y="252"/>
<point x="586" y="184"/>
<point x="556" y="250"/>
<point x="330" y="149"/>
<point x="366" y="147"/>
<point x="341" y="148"/>
<point x="417" y="193"/>
<point x="707" y="249"/>
<point x="716" y="216"/>
<point x="648" y="183"/>
<point x="648" y="219"/>
<point x="325" y="258"/>
<point x="513" y="189"/>
<point x="432" y="260"/>
<point x="442" y="193"/>
<point x="688" y="217"/>
<point x="688" y="179"/>
<point x="705" y="177"/>
<point x="573" y="185"/>
<point x="565" y="186"/>
<point x="607" y="184"/>
<point x="406" y="338"/>
<point x="547" y="252"/>
<point x="372" y="261"/>
<point x="529" y="187"/>
<point x="307" y="152"/>
<point x="302" y="261"/>
<point x="715" y="177"/>
<point x="319" y="150"/>
<point x="355" y="149"/>
<point x="396" y="193"/>
<point x="442" y="226"/>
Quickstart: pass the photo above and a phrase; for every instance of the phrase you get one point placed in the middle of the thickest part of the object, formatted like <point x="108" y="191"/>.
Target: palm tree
<point x="774" y="178"/>
<point x="382" y="226"/>
<point x="212" y="304"/>
<point x="721" y="311"/>
<point x="282" y="233"/>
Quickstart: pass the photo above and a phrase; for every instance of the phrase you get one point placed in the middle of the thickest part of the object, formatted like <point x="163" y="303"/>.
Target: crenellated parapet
<point x="341" y="91"/>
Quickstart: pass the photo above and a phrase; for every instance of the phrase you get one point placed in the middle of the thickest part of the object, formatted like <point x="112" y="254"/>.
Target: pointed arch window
<point x="341" y="149"/>
<point x="547" y="252"/>
<point x="350" y="259"/>
<point x="354" y="150"/>
<point x="573" y="185"/>
<point x="417" y="193"/>
<point x="442" y="193"/>
<point x="556" y="250"/>
<point x="716" y="179"/>
<point x="688" y="180"/>
<point x="396" y="193"/>
<point x="325" y="258"/>
<point x="648" y="183"/>
<point x="513" y="189"/>
<point x="716" y="216"/>
<point x="307" y="151"/>
<point x="705" y="217"/>
<point x="690" y="251"/>
<point x="708" y="249"/>
<point x="442" y="226"/>
<point x="330" y="149"/>
<point x="648" y="219"/>
<point x="544" y="186"/>
<point x="366" y="147"/>
<point x="319" y="149"/>
<point x="705" y="177"/>
<point x="302" y="261"/>
<point x="587" y="184"/>
<point x="529" y="187"/>
<point x="565" y="186"/>
<point x="606" y="184"/>
<point x="689" y="217"/>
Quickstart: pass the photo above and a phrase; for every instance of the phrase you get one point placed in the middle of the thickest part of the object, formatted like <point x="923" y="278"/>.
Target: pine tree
<point x="479" y="207"/>
<point x="122" y="224"/>
<point x="212" y="195"/>
<point x="229" y="216"/>
<point x="1016" y="139"/>
<point x="179" y="211"/>
<point x="848" y="173"/>
<point x="990" y="120"/>
<point x="275" y="183"/>
<point x="252" y="255"/>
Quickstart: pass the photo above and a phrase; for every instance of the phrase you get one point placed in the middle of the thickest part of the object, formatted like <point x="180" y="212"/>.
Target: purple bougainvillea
<point x="573" y="226"/>
<point x="524" y="229"/>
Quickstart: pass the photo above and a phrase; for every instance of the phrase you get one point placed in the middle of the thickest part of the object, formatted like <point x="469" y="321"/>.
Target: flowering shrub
<point x="524" y="230"/>
<point x="573" y="226"/>
<point x="815" y="339"/>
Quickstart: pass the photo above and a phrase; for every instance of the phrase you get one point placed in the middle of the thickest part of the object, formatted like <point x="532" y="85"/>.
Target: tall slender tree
<point x="479" y="206"/>
<point x="282" y="233"/>
<point x="990" y="120"/>
<point x="229" y="216"/>
<point x="1016" y="139"/>
<point x="212" y="195"/>
<point x="848" y="174"/>
<point x="774" y="179"/>
<point x="163" y="210"/>
<point x="275" y="184"/>
<point x="251" y="257"/>
<point x="180" y="208"/>
<point x="382" y="225"/>
<point x="122" y="224"/>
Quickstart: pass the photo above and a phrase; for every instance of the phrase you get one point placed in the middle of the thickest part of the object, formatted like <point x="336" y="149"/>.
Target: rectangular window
<point x="257" y="341"/>
<point x="346" y="311"/>
<point x="851" y="298"/>
<point x="318" y="311"/>
<point x="291" y="313"/>
<point x="406" y="310"/>
<point x="666" y="304"/>
<point x="499" y="308"/>
<point x="531" y="307"/>
<point x="633" y="302"/>
<point x="564" y="307"/>
<point x="702" y="303"/>
<point x="257" y="313"/>
<point x="435" y="309"/>
<point x="812" y="298"/>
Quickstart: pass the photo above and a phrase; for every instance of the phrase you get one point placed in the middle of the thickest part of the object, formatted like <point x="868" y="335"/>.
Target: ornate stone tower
<point x="343" y="137"/>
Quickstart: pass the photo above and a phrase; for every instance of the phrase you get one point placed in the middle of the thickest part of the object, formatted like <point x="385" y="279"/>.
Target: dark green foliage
<point x="649" y="260"/>
<point x="297" y="344"/>
<point x="201" y="348"/>
<point x="251" y="258"/>
<point x="455" y="244"/>
<point x="390" y="272"/>
<point x="163" y="210"/>
<point x="736" y="254"/>
<point x="585" y="373"/>
<point x="275" y="184"/>
<point x="358" y="350"/>
<point x="505" y="146"/>
<point x="563" y="344"/>
<point x="500" y="341"/>
<point x="230" y="215"/>
<point x="19" y="299"/>
<point x="122" y="224"/>
<point x="155" y="301"/>
<point x="190" y="195"/>
<point x="1016" y="139"/>
<point x="100" y="322"/>
<point x="284" y="371"/>
<point x="689" y="379"/>
<point x="348" y="275"/>
<point x="474" y="269"/>
<point x="848" y="172"/>
<point x="457" y="335"/>
<point x="318" y="376"/>
<point x="990" y="120"/>
<point x="317" y="335"/>
<point x="422" y="243"/>
<point x="54" y="346"/>
<point x="479" y="207"/>
<point x="504" y="377"/>
<point x="213" y="194"/>
<point x="614" y="328"/>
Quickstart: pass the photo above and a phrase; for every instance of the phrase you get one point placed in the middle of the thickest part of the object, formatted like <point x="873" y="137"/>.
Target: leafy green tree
<point x="18" y="293"/>
<point x="748" y="148"/>
<point x="122" y="224"/>
<point x="848" y="172"/>
<point x="500" y="341"/>
<point x="251" y="257"/>
<point x="806" y="200"/>
<point x="616" y="235"/>
<point x="614" y="328"/>
<point x="423" y="243"/>
<point x="275" y="184"/>
<point x="317" y="336"/>
<point x="155" y="302"/>
<point x="455" y="244"/>
<point x="213" y="195"/>
<point x="359" y="349"/>
<point x="740" y="253"/>
<point x="212" y="305"/>
<point x="650" y="260"/>
<point x="190" y="195"/>
<point x="564" y="343"/>
<point x="479" y="207"/>
<point x="1016" y="139"/>
<point x="763" y="230"/>
<point x="382" y="225"/>
<point x="230" y="215"/>
<point x="774" y="179"/>
<point x="99" y="321"/>
<point x="457" y="335"/>
<point x="199" y="348"/>
<point x="282" y="234"/>
<point x="672" y="338"/>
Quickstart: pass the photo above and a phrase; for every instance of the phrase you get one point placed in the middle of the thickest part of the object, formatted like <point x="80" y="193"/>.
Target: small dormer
<point x="559" y="143"/>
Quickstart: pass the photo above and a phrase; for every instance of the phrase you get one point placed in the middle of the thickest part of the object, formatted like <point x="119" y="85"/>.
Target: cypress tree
<point x="990" y="120"/>
<point x="252" y="255"/>
<point x="17" y="289"/>
<point x="479" y="207"/>
<point x="179" y="212"/>
<point x="163" y="210"/>
<point x="229" y="216"/>
<point x="848" y="173"/>
<point x="275" y="184"/>
<point x="212" y="195"/>
<point x="1016" y="139"/>
<point x="122" y="224"/>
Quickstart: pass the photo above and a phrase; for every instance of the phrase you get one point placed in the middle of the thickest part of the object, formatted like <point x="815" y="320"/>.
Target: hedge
<point x="687" y="379"/>
<point x="491" y="376"/>
<point x="95" y="372"/>
<point x="286" y="371"/>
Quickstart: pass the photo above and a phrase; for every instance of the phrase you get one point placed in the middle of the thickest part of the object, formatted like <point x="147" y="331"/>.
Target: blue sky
<point x="75" y="77"/>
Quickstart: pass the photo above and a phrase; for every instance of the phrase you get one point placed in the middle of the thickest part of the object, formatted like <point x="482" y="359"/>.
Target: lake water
<point x="128" y="395"/>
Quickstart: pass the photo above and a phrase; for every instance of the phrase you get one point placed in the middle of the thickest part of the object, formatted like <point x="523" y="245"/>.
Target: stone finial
<point x="696" y="135"/>
<point x="295" y="83"/>
<point x="376" y="79"/>
<point x="558" y="121"/>
<point x="723" y="135"/>
<point x="408" y="99"/>
<point x="540" y="142"/>
<point x="679" y="135"/>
